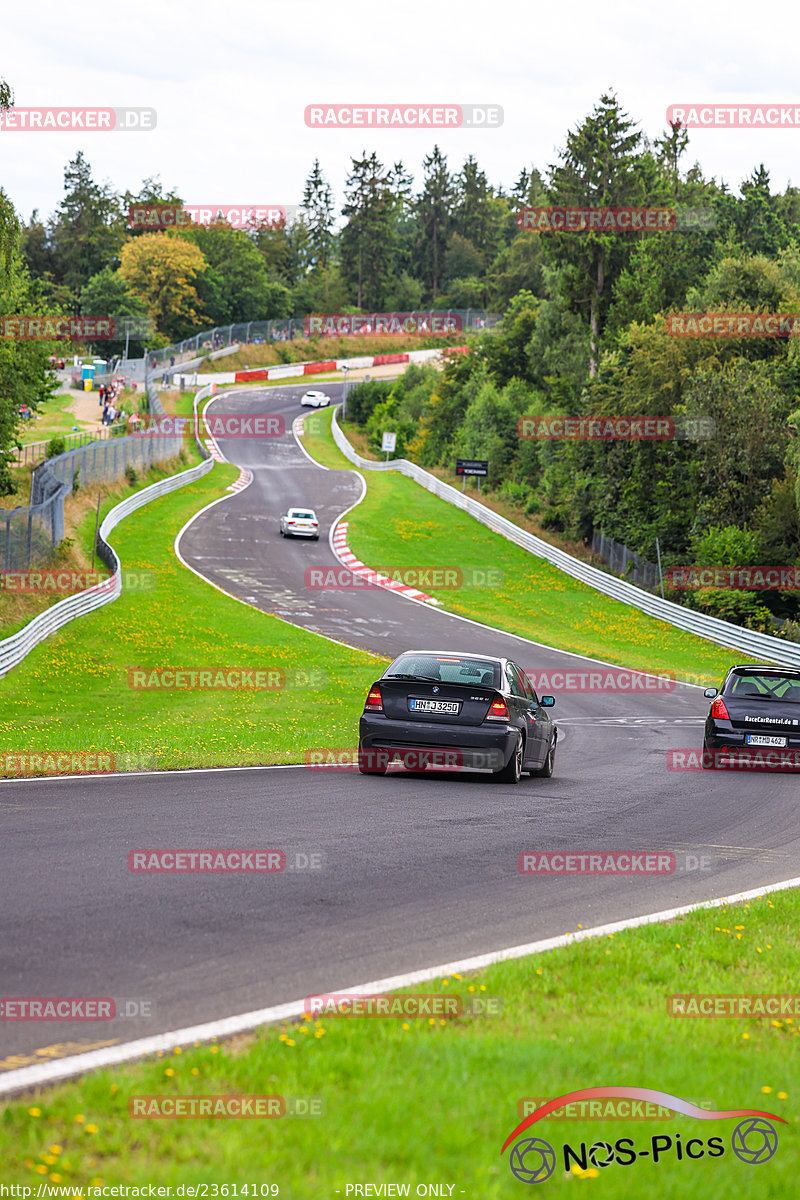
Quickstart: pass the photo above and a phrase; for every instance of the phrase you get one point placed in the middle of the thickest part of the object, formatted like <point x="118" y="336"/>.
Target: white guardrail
<point x="13" y="649"/>
<point x="723" y="633"/>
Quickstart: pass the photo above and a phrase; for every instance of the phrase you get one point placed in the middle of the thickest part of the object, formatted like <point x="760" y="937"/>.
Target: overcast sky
<point x="230" y="83"/>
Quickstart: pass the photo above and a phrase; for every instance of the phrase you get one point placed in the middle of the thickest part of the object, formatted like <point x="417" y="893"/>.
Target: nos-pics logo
<point x="754" y="1139"/>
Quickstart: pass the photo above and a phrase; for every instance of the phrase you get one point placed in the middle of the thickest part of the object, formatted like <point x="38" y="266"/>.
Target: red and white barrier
<point x="297" y="370"/>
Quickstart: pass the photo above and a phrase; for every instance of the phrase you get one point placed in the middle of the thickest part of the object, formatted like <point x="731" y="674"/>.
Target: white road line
<point x="25" y="1078"/>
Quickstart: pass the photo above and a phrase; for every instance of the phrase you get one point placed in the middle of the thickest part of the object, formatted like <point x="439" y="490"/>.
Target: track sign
<point x="472" y="466"/>
<point x="388" y="442"/>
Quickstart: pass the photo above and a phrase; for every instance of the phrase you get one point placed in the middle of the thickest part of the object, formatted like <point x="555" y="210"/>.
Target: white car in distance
<point x="300" y="522"/>
<point x="315" y="400"/>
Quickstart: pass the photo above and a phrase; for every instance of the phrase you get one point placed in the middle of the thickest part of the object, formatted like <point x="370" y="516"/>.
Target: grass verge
<point x="73" y="692"/>
<point x="428" y="1100"/>
<point x="400" y="528"/>
<point x="54" y="417"/>
<point x="74" y="553"/>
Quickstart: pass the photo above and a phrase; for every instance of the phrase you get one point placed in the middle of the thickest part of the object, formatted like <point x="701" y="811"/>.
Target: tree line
<point x="584" y="328"/>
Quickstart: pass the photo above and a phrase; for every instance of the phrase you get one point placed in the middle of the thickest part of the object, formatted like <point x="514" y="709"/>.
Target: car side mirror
<point x="710" y="693"/>
<point x="547" y="701"/>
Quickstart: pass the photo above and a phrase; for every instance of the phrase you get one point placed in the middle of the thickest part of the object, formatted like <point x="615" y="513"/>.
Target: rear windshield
<point x="771" y="687"/>
<point x="449" y="668"/>
<point x="302" y="516"/>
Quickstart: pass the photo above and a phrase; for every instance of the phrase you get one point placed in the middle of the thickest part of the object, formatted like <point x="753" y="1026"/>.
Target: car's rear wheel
<point x="710" y="761"/>
<point x="546" y="770"/>
<point x="512" y="771"/>
<point x="372" y="762"/>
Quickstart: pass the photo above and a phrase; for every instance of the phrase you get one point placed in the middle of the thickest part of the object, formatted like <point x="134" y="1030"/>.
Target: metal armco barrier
<point x="13" y="649"/>
<point x="722" y="633"/>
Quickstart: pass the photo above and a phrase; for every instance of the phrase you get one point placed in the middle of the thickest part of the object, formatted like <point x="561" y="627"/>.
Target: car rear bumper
<point x="724" y="736"/>
<point x="475" y="747"/>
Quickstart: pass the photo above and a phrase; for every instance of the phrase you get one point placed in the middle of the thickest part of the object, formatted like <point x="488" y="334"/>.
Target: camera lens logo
<point x="532" y="1161"/>
<point x="601" y="1154"/>
<point x="754" y="1141"/>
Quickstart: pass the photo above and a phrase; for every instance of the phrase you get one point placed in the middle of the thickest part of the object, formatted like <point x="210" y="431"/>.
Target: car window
<point x="450" y="669"/>
<point x="756" y="683"/>
<point x="527" y="685"/>
<point x="515" y="681"/>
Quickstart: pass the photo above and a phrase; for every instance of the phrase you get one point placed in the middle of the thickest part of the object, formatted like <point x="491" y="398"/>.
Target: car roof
<point x="496" y="658"/>
<point x="765" y="669"/>
<point x="300" y="508"/>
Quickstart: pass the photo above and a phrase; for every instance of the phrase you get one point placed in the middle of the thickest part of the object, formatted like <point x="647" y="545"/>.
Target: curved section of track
<point x="416" y="870"/>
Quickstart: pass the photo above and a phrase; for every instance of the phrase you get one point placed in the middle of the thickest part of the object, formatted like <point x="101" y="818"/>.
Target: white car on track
<point x="300" y="522"/>
<point x="315" y="400"/>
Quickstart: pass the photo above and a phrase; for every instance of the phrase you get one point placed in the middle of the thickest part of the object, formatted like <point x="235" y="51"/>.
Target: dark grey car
<point x="451" y="710"/>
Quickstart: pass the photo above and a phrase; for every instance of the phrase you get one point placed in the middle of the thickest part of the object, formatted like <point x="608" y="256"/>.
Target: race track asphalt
<point x="415" y="870"/>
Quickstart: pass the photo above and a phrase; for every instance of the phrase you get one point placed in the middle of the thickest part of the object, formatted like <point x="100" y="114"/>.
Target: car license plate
<point x="435" y="706"/>
<point x="763" y="739"/>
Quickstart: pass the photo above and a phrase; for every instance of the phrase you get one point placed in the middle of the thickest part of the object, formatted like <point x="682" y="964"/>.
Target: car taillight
<point x="498" y="710"/>
<point x="718" y="710"/>
<point x="374" y="701"/>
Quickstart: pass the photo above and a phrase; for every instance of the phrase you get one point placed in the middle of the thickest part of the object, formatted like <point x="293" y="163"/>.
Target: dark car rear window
<point x="449" y="668"/>
<point x="763" y="683"/>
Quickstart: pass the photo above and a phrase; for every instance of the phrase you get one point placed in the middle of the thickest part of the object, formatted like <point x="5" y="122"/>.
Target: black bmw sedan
<point x="448" y="710"/>
<point x="756" y="714"/>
